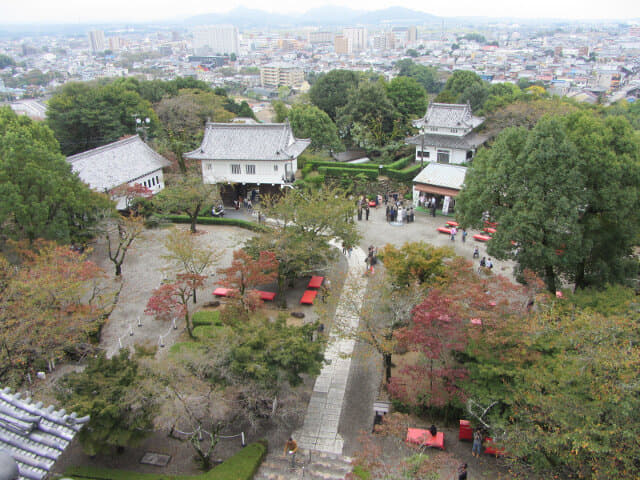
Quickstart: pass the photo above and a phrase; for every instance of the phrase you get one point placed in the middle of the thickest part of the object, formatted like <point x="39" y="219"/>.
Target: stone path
<point x="320" y="429"/>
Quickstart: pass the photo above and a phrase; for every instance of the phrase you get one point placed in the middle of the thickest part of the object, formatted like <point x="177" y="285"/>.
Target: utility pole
<point x="142" y="125"/>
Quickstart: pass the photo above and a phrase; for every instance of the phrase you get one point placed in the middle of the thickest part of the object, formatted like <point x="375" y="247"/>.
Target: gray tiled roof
<point x="117" y="163"/>
<point x="449" y="115"/>
<point x="442" y="175"/>
<point x="34" y="436"/>
<point x="468" y="142"/>
<point x="262" y="141"/>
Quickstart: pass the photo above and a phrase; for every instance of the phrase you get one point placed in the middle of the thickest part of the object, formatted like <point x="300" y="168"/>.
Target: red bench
<point x="373" y="204"/>
<point x="222" y="292"/>
<point x="451" y="223"/>
<point x="315" y="282"/>
<point x="466" y="432"/>
<point x="423" y="437"/>
<point x="482" y="238"/>
<point x="266" y="296"/>
<point x="308" y="297"/>
<point x="491" y="449"/>
<point x="446" y="230"/>
<point x="489" y="230"/>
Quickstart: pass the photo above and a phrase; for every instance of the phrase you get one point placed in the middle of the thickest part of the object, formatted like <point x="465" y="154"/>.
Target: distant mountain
<point x="327" y="15"/>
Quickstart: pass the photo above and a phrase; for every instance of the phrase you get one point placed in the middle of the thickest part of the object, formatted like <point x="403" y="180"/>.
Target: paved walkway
<point x="320" y="429"/>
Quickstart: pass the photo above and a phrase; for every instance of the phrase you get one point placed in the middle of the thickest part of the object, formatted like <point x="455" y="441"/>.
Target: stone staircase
<point x="310" y="465"/>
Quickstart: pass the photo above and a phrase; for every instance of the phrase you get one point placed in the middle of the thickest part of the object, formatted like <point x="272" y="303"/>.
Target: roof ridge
<point x="102" y="148"/>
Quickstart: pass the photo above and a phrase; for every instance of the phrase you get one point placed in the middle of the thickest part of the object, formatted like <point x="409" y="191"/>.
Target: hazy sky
<point x="81" y="11"/>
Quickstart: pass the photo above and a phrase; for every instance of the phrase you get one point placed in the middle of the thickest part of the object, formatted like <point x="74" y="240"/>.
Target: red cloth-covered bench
<point x="453" y="223"/>
<point x="466" y="432"/>
<point x="446" y="230"/>
<point x="491" y="449"/>
<point x="308" y="297"/>
<point x="315" y="282"/>
<point x="266" y="296"/>
<point x="222" y="292"/>
<point x="423" y="437"/>
<point x="482" y="238"/>
<point x="372" y="203"/>
<point x="489" y="230"/>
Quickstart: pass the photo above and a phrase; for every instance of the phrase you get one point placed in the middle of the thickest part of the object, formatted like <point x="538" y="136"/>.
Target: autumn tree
<point x="51" y="306"/>
<point x="415" y="262"/>
<point x="306" y="221"/>
<point x="246" y="273"/>
<point x="112" y="392"/>
<point x="171" y="300"/>
<point x="187" y="194"/>
<point x="120" y="233"/>
<point x="189" y="255"/>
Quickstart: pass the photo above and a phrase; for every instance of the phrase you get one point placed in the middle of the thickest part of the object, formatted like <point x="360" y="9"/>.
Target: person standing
<point x="366" y="211"/>
<point x="290" y="448"/>
<point x="477" y="443"/>
<point x="454" y="230"/>
<point x="462" y="472"/>
<point x="464" y="235"/>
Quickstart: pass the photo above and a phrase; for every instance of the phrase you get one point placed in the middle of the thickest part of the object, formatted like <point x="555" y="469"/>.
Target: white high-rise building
<point x="216" y="40"/>
<point x="358" y="36"/>
<point x="96" y="41"/>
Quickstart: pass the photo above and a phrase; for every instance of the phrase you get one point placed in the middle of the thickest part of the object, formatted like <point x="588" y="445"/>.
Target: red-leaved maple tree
<point x="171" y="300"/>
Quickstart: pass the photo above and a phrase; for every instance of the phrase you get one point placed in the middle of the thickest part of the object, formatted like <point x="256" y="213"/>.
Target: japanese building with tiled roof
<point x="446" y="134"/>
<point x="249" y="156"/>
<point x="125" y="162"/>
<point x="34" y="436"/>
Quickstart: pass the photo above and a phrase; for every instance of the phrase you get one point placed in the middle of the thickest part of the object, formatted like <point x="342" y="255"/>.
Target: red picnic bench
<point x="491" y="449"/>
<point x="222" y="292"/>
<point x="315" y="282"/>
<point x="482" y="238"/>
<point x="266" y="296"/>
<point x="308" y="297"/>
<point x="372" y="203"/>
<point x="423" y="437"/>
<point x="489" y="230"/>
<point x="466" y="432"/>
<point x="446" y="230"/>
<point x="452" y="223"/>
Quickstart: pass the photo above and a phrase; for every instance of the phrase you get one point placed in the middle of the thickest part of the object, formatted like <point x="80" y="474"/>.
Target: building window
<point x="157" y="180"/>
<point x="423" y="154"/>
<point x="250" y="169"/>
<point x="153" y="181"/>
<point x="454" y="130"/>
<point x="235" y="169"/>
<point x="275" y="168"/>
<point x="209" y="165"/>
<point x="443" y="156"/>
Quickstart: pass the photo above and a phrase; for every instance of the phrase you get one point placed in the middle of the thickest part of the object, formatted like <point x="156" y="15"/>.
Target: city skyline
<point x="77" y="11"/>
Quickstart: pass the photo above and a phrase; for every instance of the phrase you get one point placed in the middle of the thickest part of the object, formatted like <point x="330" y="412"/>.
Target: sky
<point x="134" y="11"/>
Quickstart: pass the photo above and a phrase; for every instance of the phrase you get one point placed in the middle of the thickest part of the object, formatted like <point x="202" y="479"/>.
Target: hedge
<point x="242" y="466"/>
<point x="404" y="175"/>
<point x="365" y="166"/>
<point x="234" y="222"/>
<point x="205" y="317"/>
<point x="338" y="172"/>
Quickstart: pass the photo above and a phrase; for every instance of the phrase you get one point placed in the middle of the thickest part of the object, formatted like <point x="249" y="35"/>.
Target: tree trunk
<point x="193" y="223"/>
<point x="282" y="300"/>
<point x="387" y="367"/>
<point x="550" y="278"/>
<point x="194" y="296"/>
<point x="118" y="269"/>
<point x="187" y="322"/>
<point x="580" y="276"/>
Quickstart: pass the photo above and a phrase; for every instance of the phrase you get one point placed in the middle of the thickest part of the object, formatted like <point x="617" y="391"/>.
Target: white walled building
<point x="357" y="36"/>
<point x="125" y="162"/>
<point x="96" y="41"/>
<point x="261" y="156"/>
<point x="446" y="134"/>
<point x="216" y="40"/>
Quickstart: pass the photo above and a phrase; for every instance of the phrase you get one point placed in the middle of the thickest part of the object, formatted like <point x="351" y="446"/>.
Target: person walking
<point x="454" y="230"/>
<point x="366" y="211"/>
<point x="462" y="472"/>
<point x="290" y="448"/>
<point x="477" y="443"/>
<point x="464" y="235"/>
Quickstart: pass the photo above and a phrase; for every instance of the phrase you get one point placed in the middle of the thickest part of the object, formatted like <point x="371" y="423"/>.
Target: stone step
<point x="312" y="464"/>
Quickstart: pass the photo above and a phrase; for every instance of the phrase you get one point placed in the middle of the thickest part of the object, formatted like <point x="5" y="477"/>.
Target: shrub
<point x="234" y="222"/>
<point x="205" y="317"/>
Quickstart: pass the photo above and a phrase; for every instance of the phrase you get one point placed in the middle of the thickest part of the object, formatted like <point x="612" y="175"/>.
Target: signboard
<point x="445" y="205"/>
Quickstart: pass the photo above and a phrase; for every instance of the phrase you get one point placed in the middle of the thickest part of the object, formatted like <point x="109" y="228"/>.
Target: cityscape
<point x="319" y="242"/>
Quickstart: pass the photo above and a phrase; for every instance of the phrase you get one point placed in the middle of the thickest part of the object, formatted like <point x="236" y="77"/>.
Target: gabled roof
<point x="449" y="115"/>
<point x="34" y="436"/>
<point x="471" y="141"/>
<point x="442" y="175"/>
<point x="262" y="141"/>
<point x="117" y="163"/>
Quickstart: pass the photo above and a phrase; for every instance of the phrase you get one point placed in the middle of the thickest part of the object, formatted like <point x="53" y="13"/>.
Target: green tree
<point x="308" y="121"/>
<point x="460" y="82"/>
<point x="6" y="61"/>
<point x="186" y="194"/>
<point x="408" y="96"/>
<point x="281" y="110"/>
<point x="425" y="76"/>
<point x="415" y="262"/>
<point x="412" y="52"/>
<point x="84" y="116"/>
<point x="40" y="197"/>
<point x="329" y="92"/>
<point x="112" y="392"/>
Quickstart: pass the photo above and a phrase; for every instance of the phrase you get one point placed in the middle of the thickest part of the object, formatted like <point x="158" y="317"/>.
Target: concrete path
<point x="320" y="429"/>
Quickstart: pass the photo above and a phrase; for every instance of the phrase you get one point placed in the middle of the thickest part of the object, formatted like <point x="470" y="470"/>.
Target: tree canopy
<point x="85" y="115"/>
<point x="329" y="92"/>
<point x="565" y="197"/>
<point x="425" y="76"/>
<point x="308" y="121"/>
<point x="40" y="197"/>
